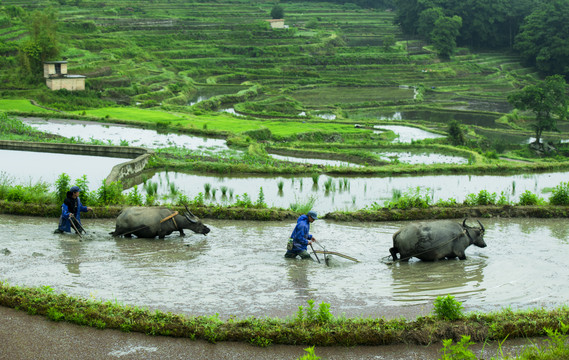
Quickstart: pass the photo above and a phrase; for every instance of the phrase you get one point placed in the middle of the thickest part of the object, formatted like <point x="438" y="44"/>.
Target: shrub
<point x="62" y="186"/>
<point x="529" y="198"/>
<point x="447" y="308"/>
<point x="482" y="198"/>
<point x="110" y="194"/>
<point x="459" y="350"/>
<point x="560" y="195"/>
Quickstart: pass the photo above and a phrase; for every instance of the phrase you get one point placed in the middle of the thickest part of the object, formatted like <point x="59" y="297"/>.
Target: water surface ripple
<point x="239" y="268"/>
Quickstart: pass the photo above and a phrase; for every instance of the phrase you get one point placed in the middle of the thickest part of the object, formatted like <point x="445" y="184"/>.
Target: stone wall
<point x="71" y="83"/>
<point x="139" y="156"/>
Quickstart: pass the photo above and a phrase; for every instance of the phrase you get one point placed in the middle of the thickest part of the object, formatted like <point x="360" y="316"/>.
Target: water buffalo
<point x="436" y="240"/>
<point x="149" y="222"/>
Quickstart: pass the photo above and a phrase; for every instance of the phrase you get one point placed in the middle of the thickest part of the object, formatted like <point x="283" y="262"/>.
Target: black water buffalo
<point x="149" y="222"/>
<point x="436" y="240"/>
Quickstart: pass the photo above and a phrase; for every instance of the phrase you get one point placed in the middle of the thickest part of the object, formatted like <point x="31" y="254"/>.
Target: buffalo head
<point x="475" y="234"/>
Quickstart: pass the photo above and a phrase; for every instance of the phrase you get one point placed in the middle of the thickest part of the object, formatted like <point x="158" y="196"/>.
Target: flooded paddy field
<point x="120" y="134"/>
<point x="352" y="193"/>
<point x="239" y="269"/>
<point x="115" y="134"/>
<point x="25" y="167"/>
<point x="407" y="134"/>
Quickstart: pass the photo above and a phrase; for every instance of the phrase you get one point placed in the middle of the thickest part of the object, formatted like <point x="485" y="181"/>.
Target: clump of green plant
<point x="110" y="194"/>
<point x="311" y="315"/>
<point x="315" y="178"/>
<point x="134" y="197"/>
<point x="303" y="207"/>
<point x="482" y="198"/>
<point x="560" y="195"/>
<point x="328" y="184"/>
<point x="261" y="199"/>
<point x="459" y="350"/>
<point x="446" y="203"/>
<point x="529" y="198"/>
<point x="244" y="201"/>
<point x="412" y="198"/>
<point x="447" y="308"/>
<point x="310" y="354"/>
<point x="207" y="187"/>
<point x="62" y="186"/>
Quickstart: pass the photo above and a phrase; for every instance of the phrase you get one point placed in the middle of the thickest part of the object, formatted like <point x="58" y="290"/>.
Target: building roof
<point x="55" y="62"/>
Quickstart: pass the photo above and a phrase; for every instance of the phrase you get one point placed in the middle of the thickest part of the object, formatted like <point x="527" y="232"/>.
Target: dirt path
<point x="34" y="337"/>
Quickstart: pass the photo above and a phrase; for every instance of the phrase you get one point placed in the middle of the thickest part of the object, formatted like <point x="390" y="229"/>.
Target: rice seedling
<point x="315" y="178"/>
<point x="328" y="184"/>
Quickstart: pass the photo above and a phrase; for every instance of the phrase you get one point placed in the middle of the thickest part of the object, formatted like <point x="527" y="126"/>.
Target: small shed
<point x="276" y="23"/>
<point x="55" y="73"/>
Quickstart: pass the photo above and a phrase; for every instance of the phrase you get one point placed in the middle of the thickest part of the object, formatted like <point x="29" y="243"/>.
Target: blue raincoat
<point x="69" y="205"/>
<point x="300" y="235"/>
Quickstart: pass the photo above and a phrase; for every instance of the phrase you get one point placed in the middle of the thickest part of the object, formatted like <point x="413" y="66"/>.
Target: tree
<point x="277" y="12"/>
<point x="427" y="20"/>
<point x="41" y="46"/>
<point x="547" y="100"/>
<point x="388" y="41"/>
<point x="444" y="35"/>
<point x="544" y="38"/>
<point x="455" y="133"/>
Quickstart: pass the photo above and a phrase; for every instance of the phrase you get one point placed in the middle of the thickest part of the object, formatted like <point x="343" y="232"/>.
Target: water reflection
<point x="425" y="158"/>
<point x="314" y="161"/>
<point x="297" y="274"/>
<point x="407" y="134"/>
<point x="72" y="251"/>
<point x="349" y="193"/>
<point x="29" y="167"/>
<point x="134" y="136"/>
<point x="419" y="281"/>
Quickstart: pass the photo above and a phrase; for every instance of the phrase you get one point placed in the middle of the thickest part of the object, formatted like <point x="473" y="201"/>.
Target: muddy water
<point x="359" y="192"/>
<point x="239" y="269"/>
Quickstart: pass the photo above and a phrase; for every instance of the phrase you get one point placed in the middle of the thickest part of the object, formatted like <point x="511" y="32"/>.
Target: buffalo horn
<point x="464" y="224"/>
<point x="481" y="226"/>
<point x="188" y="214"/>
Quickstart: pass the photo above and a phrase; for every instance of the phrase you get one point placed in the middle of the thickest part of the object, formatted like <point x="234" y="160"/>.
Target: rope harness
<point x="171" y="216"/>
<point x="464" y="231"/>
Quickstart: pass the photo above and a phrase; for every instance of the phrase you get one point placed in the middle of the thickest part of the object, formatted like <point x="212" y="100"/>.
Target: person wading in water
<point x="71" y="211"/>
<point x="300" y="237"/>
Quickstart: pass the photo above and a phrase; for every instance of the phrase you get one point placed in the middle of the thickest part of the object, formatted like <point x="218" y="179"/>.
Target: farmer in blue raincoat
<point x="71" y="211"/>
<point x="300" y="237"/>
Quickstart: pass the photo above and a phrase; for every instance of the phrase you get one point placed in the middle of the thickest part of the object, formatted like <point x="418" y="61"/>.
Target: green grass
<point x="21" y="105"/>
<point x="310" y="326"/>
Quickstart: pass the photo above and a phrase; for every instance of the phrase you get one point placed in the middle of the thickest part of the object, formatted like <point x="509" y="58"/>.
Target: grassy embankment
<point x="311" y="325"/>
